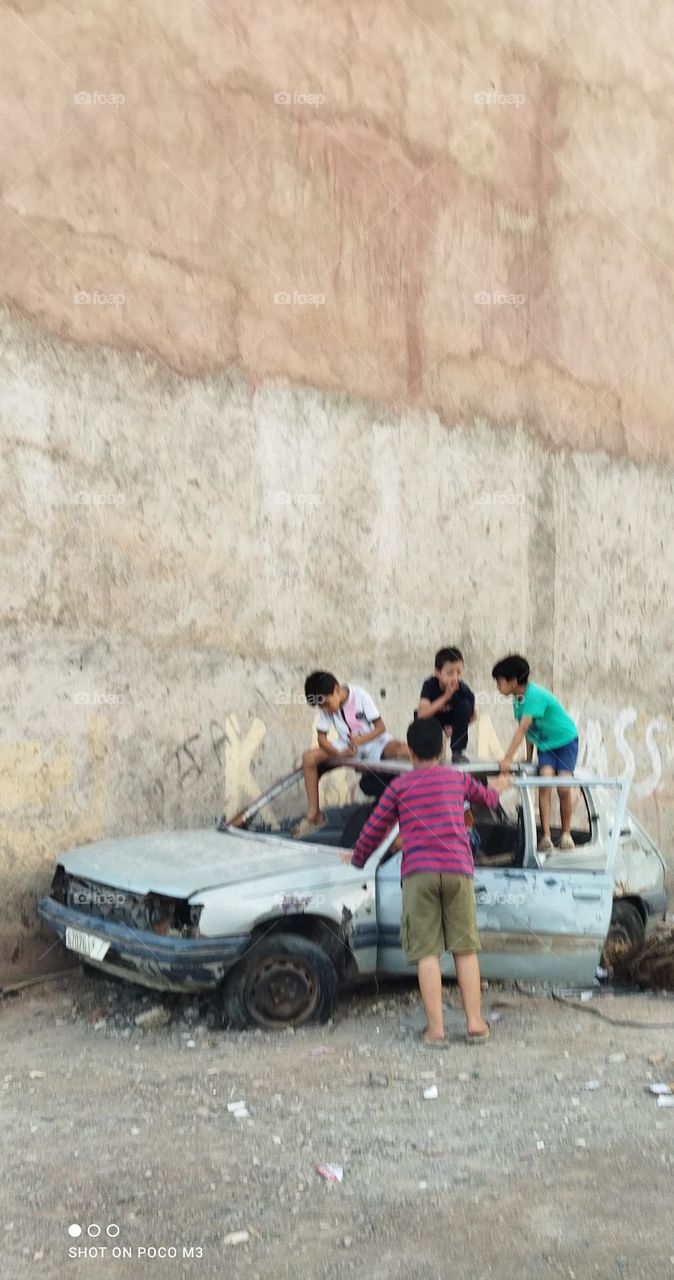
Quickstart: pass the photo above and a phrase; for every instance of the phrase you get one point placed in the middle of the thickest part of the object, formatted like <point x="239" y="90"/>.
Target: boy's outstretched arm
<point x="517" y="740"/>
<point x="476" y="793"/>
<point x="378" y="824"/>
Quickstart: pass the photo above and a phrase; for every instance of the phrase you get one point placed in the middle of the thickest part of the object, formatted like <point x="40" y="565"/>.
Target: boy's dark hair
<point x="318" y="686"/>
<point x="426" y="738"/>
<point x="514" y="667"/>
<point x="447" y="655"/>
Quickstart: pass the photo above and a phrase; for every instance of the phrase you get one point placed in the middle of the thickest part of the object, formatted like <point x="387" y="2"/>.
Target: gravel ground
<point x="515" y="1168"/>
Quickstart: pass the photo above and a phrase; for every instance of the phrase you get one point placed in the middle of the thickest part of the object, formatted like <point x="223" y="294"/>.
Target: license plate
<point x="86" y="944"/>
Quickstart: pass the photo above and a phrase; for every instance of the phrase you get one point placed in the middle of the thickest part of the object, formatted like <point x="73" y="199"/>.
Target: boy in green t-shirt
<point x="545" y="724"/>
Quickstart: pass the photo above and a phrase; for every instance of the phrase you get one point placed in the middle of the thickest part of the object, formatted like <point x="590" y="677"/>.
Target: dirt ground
<point x="515" y="1168"/>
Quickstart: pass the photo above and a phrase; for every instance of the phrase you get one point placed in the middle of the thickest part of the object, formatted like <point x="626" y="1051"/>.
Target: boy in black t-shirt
<point x="446" y="697"/>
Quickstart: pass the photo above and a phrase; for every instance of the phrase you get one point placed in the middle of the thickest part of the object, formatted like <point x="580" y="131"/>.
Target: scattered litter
<point x="666" y="1101"/>
<point x="323" y="1051"/>
<point x="580" y="1142"/>
<point x="617" y="1057"/>
<point x="276" y="1140"/>
<point x="429" y="1075"/>
<point x="135" y="1132"/>
<point x="423" y="1186"/>
<point x="190" y="1044"/>
<point x="586" y="995"/>
<point x="662" y="1089"/>
<point x="37" y="1075"/>
<point x="238" y="1109"/>
<point x="463" y="1077"/>
<point x="431" y="1092"/>
<point x="575" y="1102"/>
<point x="540" y="1145"/>
<point x="331" y="1172"/>
<point x="592" y="1084"/>
<point x="237" y="1237"/>
<point x="494" y="1017"/>
<point x="347" y="1242"/>
<point x="157" y="1016"/>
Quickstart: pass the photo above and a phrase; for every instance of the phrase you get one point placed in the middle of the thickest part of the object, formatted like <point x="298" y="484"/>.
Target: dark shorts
<point x="438" y="915"/>
<point x="561" y="759"/>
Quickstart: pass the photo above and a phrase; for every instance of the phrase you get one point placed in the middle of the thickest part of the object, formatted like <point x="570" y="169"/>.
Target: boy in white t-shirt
<point x="361" y="732"/>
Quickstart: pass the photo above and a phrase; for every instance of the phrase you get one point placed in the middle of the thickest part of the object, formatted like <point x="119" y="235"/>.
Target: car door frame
<point x="548" y="924"/>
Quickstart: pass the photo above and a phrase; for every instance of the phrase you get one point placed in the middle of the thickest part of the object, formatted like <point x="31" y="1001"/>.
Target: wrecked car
<point x="273" y="925"/>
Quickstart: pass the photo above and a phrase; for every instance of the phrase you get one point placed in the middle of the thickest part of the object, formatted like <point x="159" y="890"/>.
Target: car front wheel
<point x="284" y="981"/>
<point x="625" y="936"/>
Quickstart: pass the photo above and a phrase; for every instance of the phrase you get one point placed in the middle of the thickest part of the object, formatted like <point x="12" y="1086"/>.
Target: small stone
<point x="431" y="1092"/>
<point x="237" y="1237"/>
<point x="348" y="1241"/>
<point x="617" y="1057"/>
<point x="150" y="1019"/>
<point x="580" y="1142"/>
<point x="423" y="1186"/>
<point x="540" y="1145"/>
<point x="276" y="1140"/>
<point x="464" y="1077"/>
<point x="190" y="1044"/>
<point x="37" y="1075"/>
<point x="135" y="1132"/>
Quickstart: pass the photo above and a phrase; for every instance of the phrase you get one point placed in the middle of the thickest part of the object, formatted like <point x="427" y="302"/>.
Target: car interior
<point x="500" y="832"/>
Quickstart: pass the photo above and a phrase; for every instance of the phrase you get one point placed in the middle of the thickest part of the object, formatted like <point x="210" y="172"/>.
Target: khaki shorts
<point x="438" y="915"/>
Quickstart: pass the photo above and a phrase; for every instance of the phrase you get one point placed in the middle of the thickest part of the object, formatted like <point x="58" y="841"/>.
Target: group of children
<point x="429" y="801"/>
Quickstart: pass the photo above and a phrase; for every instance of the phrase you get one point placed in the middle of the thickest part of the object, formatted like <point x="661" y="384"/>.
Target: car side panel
<point x="533" y="925"/>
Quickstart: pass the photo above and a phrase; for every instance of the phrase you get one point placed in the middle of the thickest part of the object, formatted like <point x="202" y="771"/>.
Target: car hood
<point x="182" y="863"/>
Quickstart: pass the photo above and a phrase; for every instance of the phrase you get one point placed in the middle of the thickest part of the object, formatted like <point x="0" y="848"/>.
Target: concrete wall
<point x="330" y="380"/>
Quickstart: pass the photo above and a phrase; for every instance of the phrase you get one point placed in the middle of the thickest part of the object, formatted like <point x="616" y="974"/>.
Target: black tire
<point x="285" y="980"/>
<point x="625" y="936"/>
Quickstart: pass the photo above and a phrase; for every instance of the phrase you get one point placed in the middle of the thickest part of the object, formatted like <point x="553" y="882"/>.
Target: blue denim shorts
<point x="561" y="759"/>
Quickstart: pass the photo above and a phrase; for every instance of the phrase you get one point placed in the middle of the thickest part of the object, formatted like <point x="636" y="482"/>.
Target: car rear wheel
<point x="284" y="981"/>
<point x="625" y="936"/>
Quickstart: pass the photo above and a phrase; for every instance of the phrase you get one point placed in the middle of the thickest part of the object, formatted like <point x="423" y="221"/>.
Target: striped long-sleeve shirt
<point x="428" y="802"/>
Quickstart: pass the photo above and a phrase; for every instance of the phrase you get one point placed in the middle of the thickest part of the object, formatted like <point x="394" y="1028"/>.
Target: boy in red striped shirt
<point x="437" y="871"/>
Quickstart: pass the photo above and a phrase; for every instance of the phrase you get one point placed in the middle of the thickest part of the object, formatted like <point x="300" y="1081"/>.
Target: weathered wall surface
<point x="330" y="335"/>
